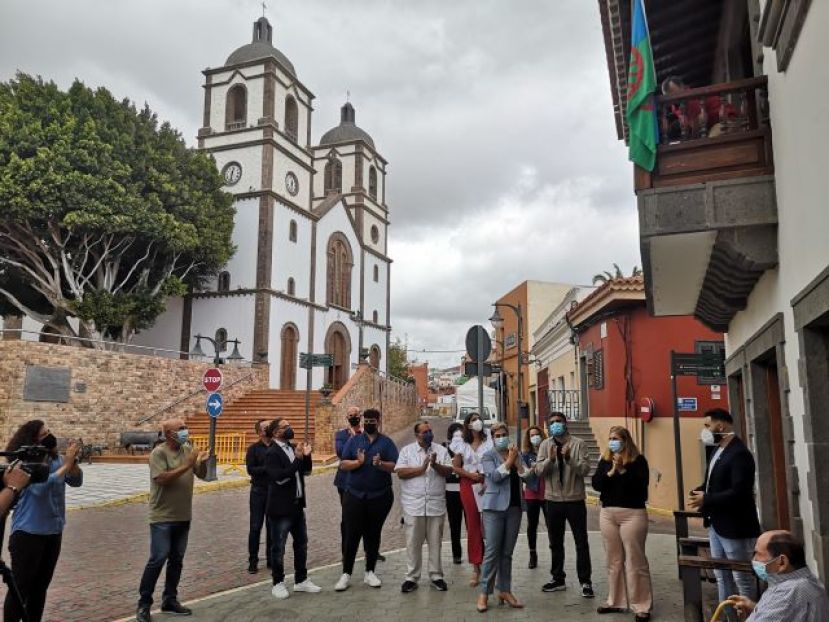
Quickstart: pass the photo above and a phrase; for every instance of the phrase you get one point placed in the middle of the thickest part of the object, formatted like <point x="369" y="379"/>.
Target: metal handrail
<point x="191" y="395"/>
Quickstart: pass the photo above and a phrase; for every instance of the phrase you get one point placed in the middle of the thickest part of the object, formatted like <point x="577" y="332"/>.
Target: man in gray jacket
<point x="563" y="463"/>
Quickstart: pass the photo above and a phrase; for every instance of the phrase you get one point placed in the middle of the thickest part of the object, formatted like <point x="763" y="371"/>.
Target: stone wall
<point x="397" y="400"/>
<point x="109" y="391"/>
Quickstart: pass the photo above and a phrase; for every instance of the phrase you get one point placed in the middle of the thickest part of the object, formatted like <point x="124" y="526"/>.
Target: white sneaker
<point x="280" y="591"/>
<point x="343" y="583"/>
<point x="307" y="586"/>
<point x="372" y="579"/>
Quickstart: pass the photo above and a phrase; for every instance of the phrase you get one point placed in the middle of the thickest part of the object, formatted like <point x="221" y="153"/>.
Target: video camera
<point x="31" y="459"/>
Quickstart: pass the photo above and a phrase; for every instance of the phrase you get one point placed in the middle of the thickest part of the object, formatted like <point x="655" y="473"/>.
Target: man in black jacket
<point x="726" y="501"/>
<point x="255" y="463"/>
<point x="286" y="466"/>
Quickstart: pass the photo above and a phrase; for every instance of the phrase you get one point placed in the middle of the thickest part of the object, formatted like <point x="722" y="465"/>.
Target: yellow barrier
<point x="230" y="449"/>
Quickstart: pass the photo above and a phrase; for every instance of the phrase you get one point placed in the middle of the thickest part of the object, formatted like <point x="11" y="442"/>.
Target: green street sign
<point x="308" y="360"/>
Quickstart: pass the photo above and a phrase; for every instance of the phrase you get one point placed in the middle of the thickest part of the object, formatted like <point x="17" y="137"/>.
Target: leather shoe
<point x="142" y="614"/>
<point x="176" y="608"/>
<point x="253" y="567"/>
<point x="408" y="586"/>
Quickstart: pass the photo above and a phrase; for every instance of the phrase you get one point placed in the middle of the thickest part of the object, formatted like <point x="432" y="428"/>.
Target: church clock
<point x="292" y="184"/>
<point x="232" y="173"/>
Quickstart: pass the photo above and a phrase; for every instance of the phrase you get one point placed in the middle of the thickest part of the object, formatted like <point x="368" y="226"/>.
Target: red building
<point x="625" y="358"/>
<point x="420" y="373"/>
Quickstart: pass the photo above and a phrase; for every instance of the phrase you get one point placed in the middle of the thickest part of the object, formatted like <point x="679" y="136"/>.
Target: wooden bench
<point x="690" y="572"/>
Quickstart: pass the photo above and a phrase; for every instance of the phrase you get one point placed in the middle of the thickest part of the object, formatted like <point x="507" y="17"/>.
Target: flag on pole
<point x="641" y="113"/>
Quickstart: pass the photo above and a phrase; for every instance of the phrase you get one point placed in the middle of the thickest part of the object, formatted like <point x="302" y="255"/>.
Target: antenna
<point x="348" y="96"/>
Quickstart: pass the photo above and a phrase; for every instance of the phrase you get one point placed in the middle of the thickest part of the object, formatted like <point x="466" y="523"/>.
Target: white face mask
<point x="535" y="439"/>
<point x="707" y="437"/>
<point x="477" y="425"/>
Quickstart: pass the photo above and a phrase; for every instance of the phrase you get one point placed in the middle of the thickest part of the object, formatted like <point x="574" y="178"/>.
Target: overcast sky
<point x="495" y="117"/>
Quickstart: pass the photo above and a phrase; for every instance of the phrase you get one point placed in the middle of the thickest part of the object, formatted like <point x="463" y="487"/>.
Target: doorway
<point x="338" y="344"/>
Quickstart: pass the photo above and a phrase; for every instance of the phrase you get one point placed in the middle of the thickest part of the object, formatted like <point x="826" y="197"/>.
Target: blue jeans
<point x="728" y="582"/>
<point x="280" y="527"/>
<point x="168" y="543"/>
<point x="501" y="529"/>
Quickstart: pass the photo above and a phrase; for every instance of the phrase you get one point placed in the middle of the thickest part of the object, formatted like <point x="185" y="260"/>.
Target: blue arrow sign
<point x="215" y="404"/>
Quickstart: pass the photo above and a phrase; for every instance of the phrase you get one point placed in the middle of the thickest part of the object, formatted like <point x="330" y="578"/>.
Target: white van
<point x="466" y="400"/>
<point x="488" y="416"/>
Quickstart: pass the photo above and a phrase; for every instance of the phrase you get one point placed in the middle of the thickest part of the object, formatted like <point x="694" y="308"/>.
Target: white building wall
<point x="166" y="332"/>
<point x="250" y="158"/>
<point x="242" y="266"/>
<point x="369" y="221"/>
<point x="218" y="96"/>
<point x="291" y="259"/>
<point x="233" y="313"/>
<point x="284" y="312"/>
<point x="375" y="293"/>
<point x="282" y="166"/>
<point x="797" y="99"/>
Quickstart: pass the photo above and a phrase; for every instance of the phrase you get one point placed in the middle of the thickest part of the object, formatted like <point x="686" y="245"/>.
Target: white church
<point x="311" y="271"/>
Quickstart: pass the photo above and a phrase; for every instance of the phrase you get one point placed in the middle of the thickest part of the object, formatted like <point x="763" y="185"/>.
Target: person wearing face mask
<point x="563" y="463"/>
<point x="255" y="463"/>
<point x="503" y="469"/>
<point x="422" y="468"/>
<point x="286" y="465"/>
<point x="173" y="465"/>
<point x="794" y="593"/>
<point x="621" y="478"/>
<point x="38" y="521"/>
<point x="726" y="501"/>
<point x="467" y="466"/>
<point x="454" y="508"/>
<point x="533" y="489"/>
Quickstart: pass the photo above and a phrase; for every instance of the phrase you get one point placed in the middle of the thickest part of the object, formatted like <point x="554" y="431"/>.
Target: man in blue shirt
<point x="368" y="460"/>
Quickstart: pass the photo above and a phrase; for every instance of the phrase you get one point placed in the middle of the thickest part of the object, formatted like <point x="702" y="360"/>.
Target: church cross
<point x="264" y="6"/>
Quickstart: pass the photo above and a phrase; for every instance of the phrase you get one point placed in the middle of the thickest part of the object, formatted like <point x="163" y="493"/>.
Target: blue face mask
<point x="428" y="437"/>
<point x="557" y="428"/>
<point x="502" y="443"/>
<point x="761" y="569"/>
<point x="615" y="445"/>
<point x="182" y="436"/>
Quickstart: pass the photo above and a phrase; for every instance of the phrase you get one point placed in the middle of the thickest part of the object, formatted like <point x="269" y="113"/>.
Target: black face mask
<point x="371" y="428"/>
<point x="287" y="434"/>
<point x="49" y="442"/>
<point x="354" y="421"/>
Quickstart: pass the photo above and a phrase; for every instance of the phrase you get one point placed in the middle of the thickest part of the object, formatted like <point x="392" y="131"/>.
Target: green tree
<point x="607" y="276"/>
<point x="398" y="361"/>
<point x="104" y="212"/>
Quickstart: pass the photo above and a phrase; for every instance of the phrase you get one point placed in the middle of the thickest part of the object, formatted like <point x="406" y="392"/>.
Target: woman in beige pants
<point x="622" y="479"/>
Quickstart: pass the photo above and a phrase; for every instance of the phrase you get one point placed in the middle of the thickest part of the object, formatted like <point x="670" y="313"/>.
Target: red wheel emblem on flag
<point x="636" y="72"/>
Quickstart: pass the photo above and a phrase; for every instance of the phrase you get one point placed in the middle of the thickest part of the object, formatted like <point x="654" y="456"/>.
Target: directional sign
<point x="307" y="361"/>
<point x="212" y="380"/>
<point x="702" y="365"/>
<point x="215" y="404"/>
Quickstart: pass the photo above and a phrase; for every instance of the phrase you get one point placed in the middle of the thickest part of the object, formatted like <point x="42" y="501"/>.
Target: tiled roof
<point x="628" y="288"/>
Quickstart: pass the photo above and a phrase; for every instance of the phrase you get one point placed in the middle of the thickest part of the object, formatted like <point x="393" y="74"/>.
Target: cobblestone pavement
<point x="105" y="549"/>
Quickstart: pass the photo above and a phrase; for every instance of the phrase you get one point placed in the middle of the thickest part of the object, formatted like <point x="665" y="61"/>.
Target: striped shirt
<point x="795" y="595"/>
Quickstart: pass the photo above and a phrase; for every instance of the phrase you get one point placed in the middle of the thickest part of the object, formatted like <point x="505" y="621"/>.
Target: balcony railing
<point x="235" y="125"/>
<point x="565" y="401"/>
<point x="711" y="133"/>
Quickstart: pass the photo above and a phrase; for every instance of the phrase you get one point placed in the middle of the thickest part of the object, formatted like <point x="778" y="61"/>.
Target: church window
<point x="221" y="339"/>
<point x="288" y="357"/>
<point x="374" y="356"/>
<point x="333" y="176"/>
<point x="374" y="317"/>
<point x="291" y="287"/>
<point x="376" y="274"/>
<point x="236" y="109"/>
<point x="224" y="282"/>
<point x="375" y="234"/>
<point x="340" y="263"/>
<point x="372" y="182"/>
<point x="292" y="231"/>
<point x="291" y="117"/>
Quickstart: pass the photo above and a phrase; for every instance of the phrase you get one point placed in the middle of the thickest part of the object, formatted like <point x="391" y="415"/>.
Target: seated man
<point x="793" y="593"/>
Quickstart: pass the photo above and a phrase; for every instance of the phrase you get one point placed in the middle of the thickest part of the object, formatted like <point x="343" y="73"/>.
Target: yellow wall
<point x="659" y="450"/>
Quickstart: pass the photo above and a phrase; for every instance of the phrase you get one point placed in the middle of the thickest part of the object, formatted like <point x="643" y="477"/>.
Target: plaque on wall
<point x="47" y="384"/>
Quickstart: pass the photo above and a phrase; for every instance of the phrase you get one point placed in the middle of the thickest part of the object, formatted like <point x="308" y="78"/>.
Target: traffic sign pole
<point x="212" y="382"/>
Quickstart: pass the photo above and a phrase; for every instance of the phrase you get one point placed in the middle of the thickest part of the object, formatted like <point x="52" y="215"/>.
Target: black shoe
<point x="457" y="560"/>
<point x="176" y="608"/>
<point x="381" y="558"/>
<point x="408" y="586"/>
<point x="644" y="617"/>
<point x="440" y="585"/>
<point x="253" y="567"/>
<point x="533" y="560"/>
<point x="556" y="585"/>
<point x="587" y="590"/>
<point x="142" y="614"/>
<point x="606" y="609"/>
<point x="268" y="565"/>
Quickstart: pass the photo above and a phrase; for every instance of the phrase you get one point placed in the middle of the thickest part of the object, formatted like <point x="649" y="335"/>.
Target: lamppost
<point x="502" y="378"/>
<point x="217" y="360"/>
<point x="498" y="323"/>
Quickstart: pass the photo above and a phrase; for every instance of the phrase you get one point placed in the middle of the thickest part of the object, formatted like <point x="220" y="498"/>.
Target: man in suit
<point x="286" y="466"/>
<point x="255" y="463"/>
<point x="726" y="501"/>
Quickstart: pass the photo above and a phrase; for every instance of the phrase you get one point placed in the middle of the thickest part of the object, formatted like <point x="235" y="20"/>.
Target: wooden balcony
<point x="713" y="133"/>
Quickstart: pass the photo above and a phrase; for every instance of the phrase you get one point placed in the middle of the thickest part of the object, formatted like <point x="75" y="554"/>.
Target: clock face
<point x="232" y="172"/>
<point x="292" y="184"/>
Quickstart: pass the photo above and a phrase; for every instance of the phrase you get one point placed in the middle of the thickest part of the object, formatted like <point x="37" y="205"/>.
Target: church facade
<point x="311" y="270"/>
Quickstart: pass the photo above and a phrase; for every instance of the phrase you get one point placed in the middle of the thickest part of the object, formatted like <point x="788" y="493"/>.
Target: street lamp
<point x="498" y="323"/>
<point x="217" y="360"/>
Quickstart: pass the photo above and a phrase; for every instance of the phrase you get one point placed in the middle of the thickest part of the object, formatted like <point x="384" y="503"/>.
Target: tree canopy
<point x="398" y="361"/>
<point x="104" y="211"/>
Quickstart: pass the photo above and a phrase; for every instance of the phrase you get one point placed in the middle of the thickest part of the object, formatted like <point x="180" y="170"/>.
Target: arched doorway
<point x="288" y="357"/>
<point x="338" y="344"/>
<point x="374" y="356"/>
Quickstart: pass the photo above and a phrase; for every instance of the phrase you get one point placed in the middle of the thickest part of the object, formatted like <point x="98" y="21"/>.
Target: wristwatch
<point x="14" y="489"/>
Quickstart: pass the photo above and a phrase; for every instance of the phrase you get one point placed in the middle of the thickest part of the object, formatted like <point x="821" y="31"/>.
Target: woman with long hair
<point x="622" y="477"/>
<point x="533" y="489"/>
<point x="38" y="521"/>
<point x="467" y="466"/>
<point x="454" y="507"/>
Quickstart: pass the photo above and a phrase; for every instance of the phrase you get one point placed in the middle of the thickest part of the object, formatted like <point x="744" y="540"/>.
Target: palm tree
<point x="607" y="276"/>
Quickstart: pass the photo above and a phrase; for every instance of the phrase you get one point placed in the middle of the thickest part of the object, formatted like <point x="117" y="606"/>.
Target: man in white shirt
<point x="422" y="467"/>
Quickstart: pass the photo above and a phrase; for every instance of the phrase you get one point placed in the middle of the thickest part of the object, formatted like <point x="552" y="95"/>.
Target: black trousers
<point x="258" y="502"/>
<point x="454" y="511"/>
<point x="364" y="519"/>
<point x="534" y="509"/>
<point x="574" y="513"/>
<point x="34" y="559"/>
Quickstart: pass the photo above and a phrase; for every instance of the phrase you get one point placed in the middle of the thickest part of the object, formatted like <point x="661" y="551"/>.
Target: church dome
<point x="261" y="47"/>
<point x="347" y="131"/>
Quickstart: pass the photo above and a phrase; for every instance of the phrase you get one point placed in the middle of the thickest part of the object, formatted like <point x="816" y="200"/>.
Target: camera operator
<point x="38" y="521"/>
<point x="15" y="480"/>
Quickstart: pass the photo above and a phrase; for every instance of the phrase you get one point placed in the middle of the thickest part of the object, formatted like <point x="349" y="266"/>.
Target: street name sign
<point x="215" y="404"/>
<point x="212" y="380"/>
<point x="687" y="404"/>
<point x="307" y="360"/>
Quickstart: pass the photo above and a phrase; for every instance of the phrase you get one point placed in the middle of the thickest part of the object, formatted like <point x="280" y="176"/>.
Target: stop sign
<point x="212" y="380"/>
